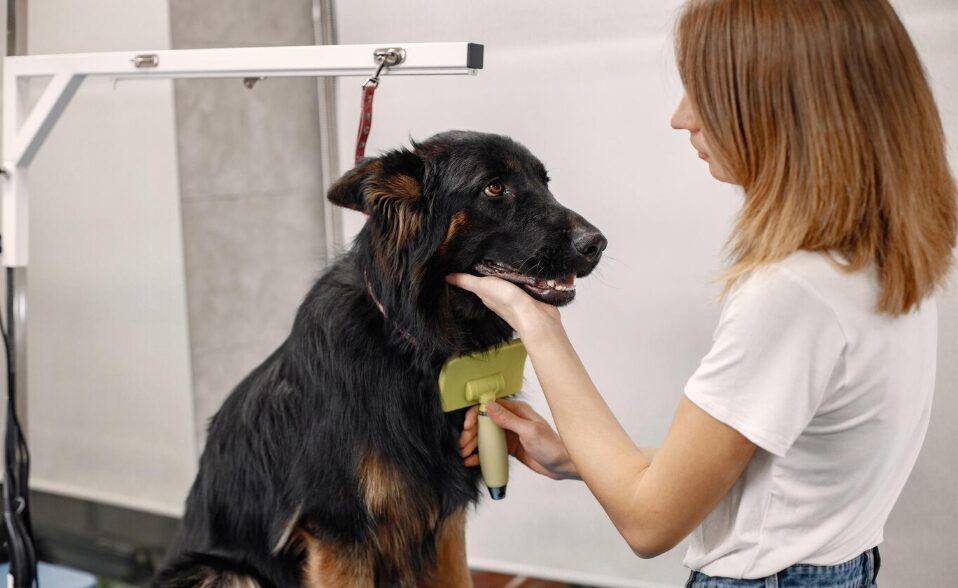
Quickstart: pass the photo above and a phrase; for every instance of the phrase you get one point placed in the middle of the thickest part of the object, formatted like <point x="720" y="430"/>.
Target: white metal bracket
<point x="24" y="133"/>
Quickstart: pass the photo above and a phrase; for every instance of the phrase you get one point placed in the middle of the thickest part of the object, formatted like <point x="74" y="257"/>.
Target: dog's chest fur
<point x="336" y="444"/>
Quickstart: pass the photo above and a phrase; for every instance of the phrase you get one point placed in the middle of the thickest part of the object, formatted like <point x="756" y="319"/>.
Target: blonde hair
<point x="821" y="111"/>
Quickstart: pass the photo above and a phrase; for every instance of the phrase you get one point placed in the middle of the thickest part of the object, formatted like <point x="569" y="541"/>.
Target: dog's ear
<point x="396" y="175"/>
<point x="347" y="191"/>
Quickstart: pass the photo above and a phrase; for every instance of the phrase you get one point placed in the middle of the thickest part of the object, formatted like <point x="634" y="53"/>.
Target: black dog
<point x="332" y="463"/>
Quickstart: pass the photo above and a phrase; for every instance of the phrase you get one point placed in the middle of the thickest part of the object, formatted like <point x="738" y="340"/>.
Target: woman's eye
<point x="494" y="189"/>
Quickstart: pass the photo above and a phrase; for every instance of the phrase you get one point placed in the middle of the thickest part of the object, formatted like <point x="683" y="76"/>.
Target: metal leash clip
<point x="386" y="57"/>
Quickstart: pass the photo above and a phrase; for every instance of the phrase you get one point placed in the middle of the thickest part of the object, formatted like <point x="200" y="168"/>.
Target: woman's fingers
<point x="522" y="409"/>
<point x="502" y="297"/>
<point x="467" y="441"/>
<point x="469" y="430"/>
<point x="464" y="281"/>
<point x="508" y="420"/>
<point x="508" y="300"/>
<point x="471" y="461"/>
<point x="469" y="447"/>
<point x="469" y="422"/>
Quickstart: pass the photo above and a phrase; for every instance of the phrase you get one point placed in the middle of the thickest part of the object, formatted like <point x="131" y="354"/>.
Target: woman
<point x="798" y="431"/>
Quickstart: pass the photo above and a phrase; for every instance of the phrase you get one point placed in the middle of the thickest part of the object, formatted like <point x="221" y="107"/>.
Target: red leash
<point x="365" y="117"/>
<point x="385" y="58"/>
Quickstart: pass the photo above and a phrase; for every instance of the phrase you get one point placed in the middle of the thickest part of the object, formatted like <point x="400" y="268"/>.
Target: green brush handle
<point x="493" y="455"/>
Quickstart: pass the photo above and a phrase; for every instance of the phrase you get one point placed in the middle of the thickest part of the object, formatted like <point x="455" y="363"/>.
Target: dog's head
<point x="465" y="202"/>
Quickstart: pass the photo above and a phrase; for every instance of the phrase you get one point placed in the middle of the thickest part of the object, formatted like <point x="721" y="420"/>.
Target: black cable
<point x="16" y="471"/>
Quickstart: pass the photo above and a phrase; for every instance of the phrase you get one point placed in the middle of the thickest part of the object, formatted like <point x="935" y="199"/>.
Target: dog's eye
<point x="494" y="189"/>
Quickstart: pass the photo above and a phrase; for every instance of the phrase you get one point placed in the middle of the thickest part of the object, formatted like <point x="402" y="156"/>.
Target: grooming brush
<point x="478" y="378"/>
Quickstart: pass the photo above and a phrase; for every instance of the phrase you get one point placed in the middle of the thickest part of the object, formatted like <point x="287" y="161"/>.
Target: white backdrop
<point x="589" y="87"/>
<point x="110" y="410"/>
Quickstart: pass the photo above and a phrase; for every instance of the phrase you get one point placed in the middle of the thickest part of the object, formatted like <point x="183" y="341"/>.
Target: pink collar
<point x="382" y="310"/>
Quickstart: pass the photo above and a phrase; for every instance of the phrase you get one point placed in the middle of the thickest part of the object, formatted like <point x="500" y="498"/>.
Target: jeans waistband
<point x="860" y="572"/>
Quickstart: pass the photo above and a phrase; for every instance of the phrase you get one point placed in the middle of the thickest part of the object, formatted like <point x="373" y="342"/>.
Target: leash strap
<point x="366" y="115"/>
<point x="385" y="57"/>
<point x="366" y="109"/>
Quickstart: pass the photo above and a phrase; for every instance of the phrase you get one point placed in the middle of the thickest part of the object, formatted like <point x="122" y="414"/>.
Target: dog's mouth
<point x="555" y="291"/>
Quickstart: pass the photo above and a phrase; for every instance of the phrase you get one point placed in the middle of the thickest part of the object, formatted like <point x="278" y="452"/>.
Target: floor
<point x="480" y="580"/>
<point x="493" y="580"/>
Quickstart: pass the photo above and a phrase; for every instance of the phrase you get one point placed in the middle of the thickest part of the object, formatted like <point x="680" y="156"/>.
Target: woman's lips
<point x="702" y="154"/>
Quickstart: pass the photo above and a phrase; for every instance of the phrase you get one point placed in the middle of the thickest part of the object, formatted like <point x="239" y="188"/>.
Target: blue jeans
<point x="861" y="572"/>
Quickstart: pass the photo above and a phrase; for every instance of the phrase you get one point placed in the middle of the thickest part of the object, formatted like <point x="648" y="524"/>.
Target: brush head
<point x="495" y="371"/>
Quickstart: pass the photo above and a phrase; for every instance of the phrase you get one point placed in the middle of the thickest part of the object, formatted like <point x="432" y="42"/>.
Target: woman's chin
<point x="719" y="173"/>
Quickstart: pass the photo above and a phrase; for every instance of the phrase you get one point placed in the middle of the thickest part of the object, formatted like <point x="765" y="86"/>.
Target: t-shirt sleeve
<point x="773" y="356"/>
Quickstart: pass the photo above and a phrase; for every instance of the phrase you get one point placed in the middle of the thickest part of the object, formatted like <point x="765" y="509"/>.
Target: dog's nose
<point x="590" y="243"/>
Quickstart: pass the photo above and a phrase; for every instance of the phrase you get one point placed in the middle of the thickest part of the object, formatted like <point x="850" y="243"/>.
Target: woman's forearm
<point x="604" y="456"/>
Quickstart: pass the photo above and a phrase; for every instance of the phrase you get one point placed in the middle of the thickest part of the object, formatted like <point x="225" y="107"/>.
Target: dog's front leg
<point x="451" y="569"/>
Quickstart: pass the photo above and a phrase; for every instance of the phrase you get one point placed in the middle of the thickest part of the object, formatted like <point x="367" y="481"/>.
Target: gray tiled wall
<point x="251" y="190"/>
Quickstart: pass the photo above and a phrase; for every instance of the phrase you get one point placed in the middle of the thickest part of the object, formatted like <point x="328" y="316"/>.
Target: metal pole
<point x="16" y="27"/>
<point x="324" y="22"/>
<point x="17" y="276"/>
<point x="17" y="337"/>
<point x="19" y="532"/>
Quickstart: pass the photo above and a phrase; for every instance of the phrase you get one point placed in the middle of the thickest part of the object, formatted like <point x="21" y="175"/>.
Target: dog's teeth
<point x="551" y="283"/>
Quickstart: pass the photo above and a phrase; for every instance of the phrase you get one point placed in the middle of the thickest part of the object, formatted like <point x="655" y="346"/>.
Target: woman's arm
<point x="652" y="504"/>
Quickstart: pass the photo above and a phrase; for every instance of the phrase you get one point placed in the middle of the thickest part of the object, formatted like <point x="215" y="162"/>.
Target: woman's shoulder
<point x="822" y="274"/>
<point x="796" y="286"/>
<point x="823" y="280"/>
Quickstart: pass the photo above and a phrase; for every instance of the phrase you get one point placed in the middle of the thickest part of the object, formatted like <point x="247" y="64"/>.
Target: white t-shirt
<point x="837" y="399"/>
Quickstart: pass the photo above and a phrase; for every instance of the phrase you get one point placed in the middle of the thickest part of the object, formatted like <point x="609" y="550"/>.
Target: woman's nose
<point x="684" y="116"/>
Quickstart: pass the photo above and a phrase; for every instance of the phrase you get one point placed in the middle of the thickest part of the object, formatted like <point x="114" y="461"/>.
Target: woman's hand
<point x="528" y="436"/>
<point x="523" y="312"/>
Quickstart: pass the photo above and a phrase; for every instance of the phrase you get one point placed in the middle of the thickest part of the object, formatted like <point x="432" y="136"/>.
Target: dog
<point x="332" y="463"/>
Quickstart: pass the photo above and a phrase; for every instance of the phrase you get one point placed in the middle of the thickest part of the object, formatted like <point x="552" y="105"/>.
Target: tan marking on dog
<point x="400" y="522"/>
<point x="451" y="568"/>
<point x="389" y="498"/>
<point x="393" y="196"/>
<point x="394" y="200"/>
<point x="403" y="186"/>
<point x="390" y="189"/>
<point x="457" y="222"/>
<point x="326" y="565"/>
<point x="380" y="484"/>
